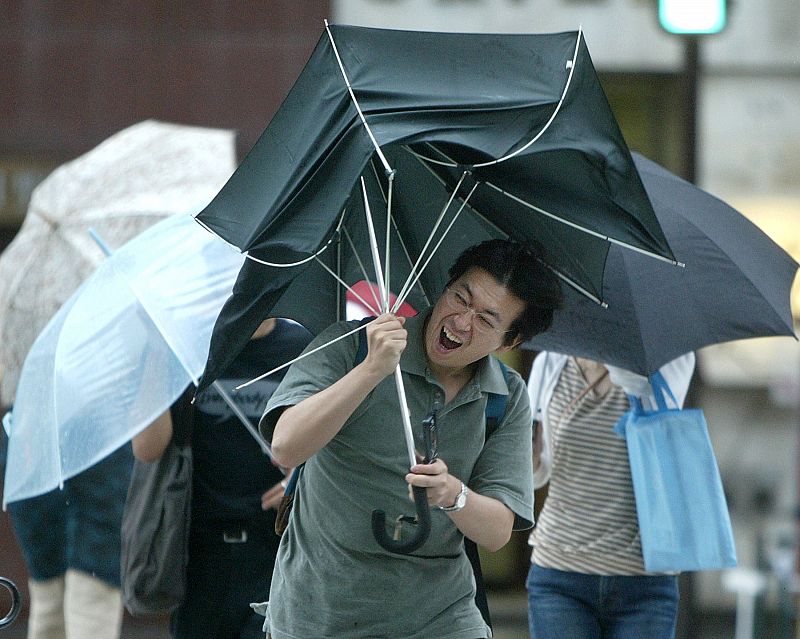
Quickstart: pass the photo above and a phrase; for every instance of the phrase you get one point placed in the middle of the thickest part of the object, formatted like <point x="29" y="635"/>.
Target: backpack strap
<point x="495" y="411"/>
<point x="363" y="344"/>
<point x="496" y="405"/>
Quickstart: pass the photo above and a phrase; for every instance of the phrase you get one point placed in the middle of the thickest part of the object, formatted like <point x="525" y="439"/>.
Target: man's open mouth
<point x="448" y="340"/>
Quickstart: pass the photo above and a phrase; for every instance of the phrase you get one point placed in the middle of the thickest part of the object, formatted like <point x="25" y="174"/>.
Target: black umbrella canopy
<point x="518" y="125"/>
<point x="736" y="285"/>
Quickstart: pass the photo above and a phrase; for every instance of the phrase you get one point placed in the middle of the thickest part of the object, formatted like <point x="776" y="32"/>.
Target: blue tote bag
<point x="683" y="516"/>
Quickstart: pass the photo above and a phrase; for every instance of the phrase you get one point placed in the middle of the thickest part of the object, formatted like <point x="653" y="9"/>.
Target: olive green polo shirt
<point x="331" y="577"/>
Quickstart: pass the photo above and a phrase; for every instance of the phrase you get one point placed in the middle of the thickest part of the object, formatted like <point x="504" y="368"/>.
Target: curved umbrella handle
<point x="16" y="602"/>
<point x="423" y="519"/>
<point x="421" y="531"/>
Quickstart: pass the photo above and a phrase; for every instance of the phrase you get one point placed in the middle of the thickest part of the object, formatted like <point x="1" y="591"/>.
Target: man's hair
<point x="521" y="270"/>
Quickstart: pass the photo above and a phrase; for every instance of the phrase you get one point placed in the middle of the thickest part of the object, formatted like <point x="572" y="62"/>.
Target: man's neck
<point x="452" y="380"/>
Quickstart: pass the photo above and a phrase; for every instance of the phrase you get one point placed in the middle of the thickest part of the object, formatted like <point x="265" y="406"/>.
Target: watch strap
<point x="460" y="502"/>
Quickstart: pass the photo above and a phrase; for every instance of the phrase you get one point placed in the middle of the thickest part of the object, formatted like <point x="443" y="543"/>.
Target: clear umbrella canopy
<point x="117" y="354"/>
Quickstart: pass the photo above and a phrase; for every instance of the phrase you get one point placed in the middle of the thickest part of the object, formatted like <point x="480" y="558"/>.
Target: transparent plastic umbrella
<point x="117" y="354"/>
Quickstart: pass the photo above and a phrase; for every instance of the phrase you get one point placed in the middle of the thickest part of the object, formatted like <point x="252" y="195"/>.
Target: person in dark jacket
<point x="235" y="490"/>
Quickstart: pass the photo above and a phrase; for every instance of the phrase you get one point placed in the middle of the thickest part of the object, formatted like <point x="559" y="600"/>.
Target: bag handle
<point x="662" y="391"/>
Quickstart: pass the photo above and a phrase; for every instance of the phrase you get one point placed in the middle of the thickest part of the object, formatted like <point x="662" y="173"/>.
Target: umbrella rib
<point x="406" y="288"/>
<point x="583" y="229"/>
<point x="489" y="222"/>
<point x="303" y="356"/>
<point x="265" y="447"/>
<point x="571" y="65"/>
<point x="276" y="264"/>
<point x="355" y="101"/>
<point x="338" y="271"/>
<point x="347" y="286"/>
<point x="400" y="300"/>
<point x="431" y="160"/>
<point x="363" y="272"/>
<point x="399" y="236"/>
<point x="373" y="245"/>
<point x="422" y="159"/>
<point x="387" y="264"/>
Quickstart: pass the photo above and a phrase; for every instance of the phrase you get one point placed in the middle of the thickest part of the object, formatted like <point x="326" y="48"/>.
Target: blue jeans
<point x="579" y="606"/>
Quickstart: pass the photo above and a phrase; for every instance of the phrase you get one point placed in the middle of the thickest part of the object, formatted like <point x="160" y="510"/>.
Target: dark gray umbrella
<point x="518" y="125"/>
<point x="450" y="139"/>
<point x="736" y="285"/>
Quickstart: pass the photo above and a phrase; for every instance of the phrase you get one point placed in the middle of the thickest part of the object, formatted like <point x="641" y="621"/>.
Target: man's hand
<point x="386" y="338"/>
<point x="442" y="487"/>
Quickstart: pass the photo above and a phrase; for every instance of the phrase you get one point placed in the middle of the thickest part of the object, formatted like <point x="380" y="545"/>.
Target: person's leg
<point x="207" y="577"/>
<point x="39" y="525"/>
<point x="46" y="615"/>
<point x="92" y="607"/>
<point x="562" y="604"/>
<point x="223" y="579"/>
<point x="253" y="564"/>
<point x="94" y="516"/>
<point x="645" y="606"/>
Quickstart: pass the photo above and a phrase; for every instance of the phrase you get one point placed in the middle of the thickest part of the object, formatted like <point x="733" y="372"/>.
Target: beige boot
<point x="92" y="607"/>
<point x="46" y="616"/>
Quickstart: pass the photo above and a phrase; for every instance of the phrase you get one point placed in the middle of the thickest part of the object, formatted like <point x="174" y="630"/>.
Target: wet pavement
<point x="509" y="615"/>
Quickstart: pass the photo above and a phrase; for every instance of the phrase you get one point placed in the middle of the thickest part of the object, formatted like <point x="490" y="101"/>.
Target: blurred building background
<point x="721" y="110"/>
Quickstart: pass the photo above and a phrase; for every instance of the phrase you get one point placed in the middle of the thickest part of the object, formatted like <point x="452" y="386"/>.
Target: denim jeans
<point x="580" y="606"/>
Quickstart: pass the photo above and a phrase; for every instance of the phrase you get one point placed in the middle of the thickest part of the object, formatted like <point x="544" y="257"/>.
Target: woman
<point x="587" y="576"/>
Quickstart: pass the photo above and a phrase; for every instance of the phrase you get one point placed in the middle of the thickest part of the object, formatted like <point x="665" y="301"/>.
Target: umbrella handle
<point x="421" y="531"/>
<point x="16" y="602"/>
<point x="423" y="519"/>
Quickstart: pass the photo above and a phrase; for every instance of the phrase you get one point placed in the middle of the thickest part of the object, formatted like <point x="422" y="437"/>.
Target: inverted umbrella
<point x="517" y="126"/>
<point x="117" y="354"/>
<point x="736" y="285"/>
<point x="451" y="139"/>
<point x="129" y="182"/>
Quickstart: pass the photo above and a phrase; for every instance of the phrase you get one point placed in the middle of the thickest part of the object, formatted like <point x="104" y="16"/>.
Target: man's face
<point x="470" y="320"/>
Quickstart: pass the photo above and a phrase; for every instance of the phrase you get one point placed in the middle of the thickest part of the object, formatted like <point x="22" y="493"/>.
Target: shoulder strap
<point x="496" y="406"/>
<point x="495" y="411"/>
<point x="571" y="406"/>
<point x="363" y="344"/>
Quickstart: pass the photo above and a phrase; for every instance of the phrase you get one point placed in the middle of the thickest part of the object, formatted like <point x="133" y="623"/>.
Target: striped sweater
<point x="588" y="523"/>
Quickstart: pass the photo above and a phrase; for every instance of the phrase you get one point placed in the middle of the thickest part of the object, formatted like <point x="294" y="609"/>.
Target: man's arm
<point x="485" y="520"/>
<point x="150" y="444"/>
<point x="308" y="426"/>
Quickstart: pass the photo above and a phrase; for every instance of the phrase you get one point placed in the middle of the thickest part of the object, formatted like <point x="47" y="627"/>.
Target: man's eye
<point x="486" y="323"/>
<point x="461" y="300"/>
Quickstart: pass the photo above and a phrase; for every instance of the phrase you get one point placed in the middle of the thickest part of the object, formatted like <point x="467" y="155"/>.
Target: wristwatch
<point x="461" y="501"/>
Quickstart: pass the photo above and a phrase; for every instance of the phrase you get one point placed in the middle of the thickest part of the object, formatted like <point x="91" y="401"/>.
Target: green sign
<point x="692" y="16"/>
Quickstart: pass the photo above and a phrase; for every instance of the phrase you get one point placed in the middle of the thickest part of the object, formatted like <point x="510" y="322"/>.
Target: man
<point x="332" y="579"/>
